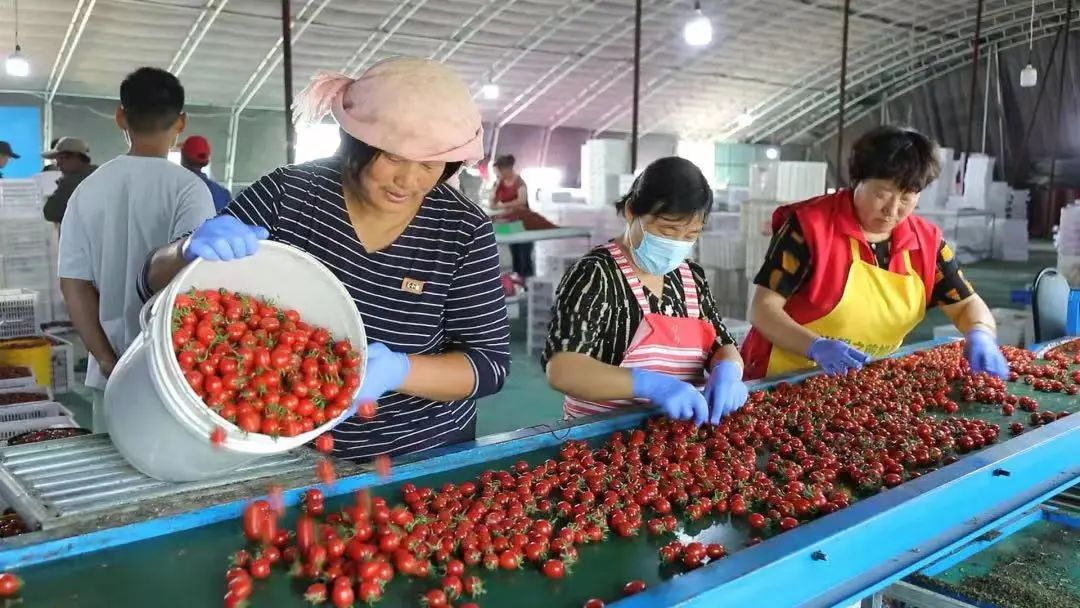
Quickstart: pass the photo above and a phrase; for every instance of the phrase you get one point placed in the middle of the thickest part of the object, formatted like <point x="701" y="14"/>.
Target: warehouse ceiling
<point x="556" y="62"/>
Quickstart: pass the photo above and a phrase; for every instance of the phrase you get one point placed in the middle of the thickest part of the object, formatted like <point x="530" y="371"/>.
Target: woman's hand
<point x="725" y="391"/>
<point x="835" y="356"/>
<point x="984" y="354"/>
<point x="384" y="371"/>
<point x="678" y="400"/>
<point x="223" y="238"/>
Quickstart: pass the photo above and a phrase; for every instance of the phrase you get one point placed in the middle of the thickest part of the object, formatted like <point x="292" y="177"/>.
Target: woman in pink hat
<point x="418" y="258"/>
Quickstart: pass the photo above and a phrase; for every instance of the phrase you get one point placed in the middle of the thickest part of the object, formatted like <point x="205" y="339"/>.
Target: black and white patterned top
<point x="449" y="245"/>
<point x="596" y="313"/>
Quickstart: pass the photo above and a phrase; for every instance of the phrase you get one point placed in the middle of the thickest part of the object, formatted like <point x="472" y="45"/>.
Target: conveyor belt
<point x="55" y="483"/>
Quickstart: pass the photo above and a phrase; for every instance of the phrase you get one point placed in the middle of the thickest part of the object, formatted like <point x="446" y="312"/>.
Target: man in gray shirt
<point x="130" y="206"/>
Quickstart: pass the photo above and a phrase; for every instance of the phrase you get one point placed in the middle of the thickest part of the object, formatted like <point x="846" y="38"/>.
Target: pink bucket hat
<point x="414" y="108"/>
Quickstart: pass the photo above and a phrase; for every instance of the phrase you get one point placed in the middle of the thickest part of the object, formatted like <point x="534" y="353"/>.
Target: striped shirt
<point x="449" y="246"/>
<point x="596" y="313"/>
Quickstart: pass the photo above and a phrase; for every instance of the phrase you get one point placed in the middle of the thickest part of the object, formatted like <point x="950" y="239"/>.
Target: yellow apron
<point x="875" y="313"/>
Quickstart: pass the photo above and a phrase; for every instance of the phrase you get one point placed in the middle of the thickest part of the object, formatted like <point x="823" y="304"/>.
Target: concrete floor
<point x="527" y="400"/>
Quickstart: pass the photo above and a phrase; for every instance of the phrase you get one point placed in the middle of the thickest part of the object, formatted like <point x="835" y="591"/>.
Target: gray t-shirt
<point x="127" y="208"/>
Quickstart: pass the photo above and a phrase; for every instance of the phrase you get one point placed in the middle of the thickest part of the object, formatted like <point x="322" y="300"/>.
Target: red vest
<point x="828" y="223"/>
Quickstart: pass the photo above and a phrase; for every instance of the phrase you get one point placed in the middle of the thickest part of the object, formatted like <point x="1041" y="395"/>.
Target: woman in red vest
<point x="511" y="197"/>
<point x="634" y="321"/>
<point x="849" y="274"/>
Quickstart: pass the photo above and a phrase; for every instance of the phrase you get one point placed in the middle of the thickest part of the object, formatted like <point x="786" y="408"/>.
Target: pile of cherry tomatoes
<point x="790" y="455"/>
<point x="261" y="367"/>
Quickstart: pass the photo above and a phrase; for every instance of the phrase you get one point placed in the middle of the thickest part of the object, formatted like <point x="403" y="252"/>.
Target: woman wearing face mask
<point x="634" y="320"/>
<point x="419" y="260"/>
<point x="849" y="274"/>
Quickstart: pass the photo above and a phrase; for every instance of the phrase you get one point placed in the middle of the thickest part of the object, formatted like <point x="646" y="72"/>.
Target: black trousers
<point x="521" y="255"/>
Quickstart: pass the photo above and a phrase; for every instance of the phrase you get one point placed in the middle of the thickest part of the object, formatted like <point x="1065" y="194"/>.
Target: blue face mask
<point x="659" y="255"/>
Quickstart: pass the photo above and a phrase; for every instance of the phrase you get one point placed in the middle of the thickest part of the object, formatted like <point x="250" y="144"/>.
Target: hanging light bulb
<point x="698" y="30"/>
<point x="772" y="153"/>
<point x="745" y="119"/>
<point x="16" y="65"/>
<point x="490" y="91"/>
<point x="1029" y="76"/>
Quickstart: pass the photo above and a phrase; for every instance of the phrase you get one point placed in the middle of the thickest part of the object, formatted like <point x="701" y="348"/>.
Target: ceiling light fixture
<point x="490" y="91"/>
<point x="772" y="153"/>
<point x="16" y="65"/>
<point x="745" y="119"/>
<point x="1029" y="76"/>
<point x="698" y="30"/>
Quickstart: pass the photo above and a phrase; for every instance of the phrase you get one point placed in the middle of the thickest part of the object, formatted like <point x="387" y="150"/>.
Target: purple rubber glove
<point x="725" y="391"/>
<point x="984" y="355"/>
<point x="835" y="356"/>
<point x="677" y="399"/>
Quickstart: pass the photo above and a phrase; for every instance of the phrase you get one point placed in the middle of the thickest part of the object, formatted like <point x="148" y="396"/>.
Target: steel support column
<point x="986" y="95"/>
<point x="637" y="87"/>
<point x="971" y="90"/>
<point x="843" y="96"/>
<point x="1061" y="95"/>
<point x="286" y="58"/>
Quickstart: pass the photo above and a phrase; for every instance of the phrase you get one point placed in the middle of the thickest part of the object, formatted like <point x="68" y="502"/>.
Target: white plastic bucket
<point x="156" y="420"/>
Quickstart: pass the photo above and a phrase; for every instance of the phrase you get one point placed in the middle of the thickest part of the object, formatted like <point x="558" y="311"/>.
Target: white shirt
<point x="119" y="214"/>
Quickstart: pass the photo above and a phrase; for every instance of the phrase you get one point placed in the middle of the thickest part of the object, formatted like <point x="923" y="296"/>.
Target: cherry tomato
<point x="633" y="587"/>
<point x="554" y="569"/>
<point x="10" y="585"/>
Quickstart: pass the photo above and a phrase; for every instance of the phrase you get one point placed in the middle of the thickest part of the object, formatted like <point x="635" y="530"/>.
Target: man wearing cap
<point x="5" y="153"/>
<point x="72" y="158"/>
<point x="195" y="156"/>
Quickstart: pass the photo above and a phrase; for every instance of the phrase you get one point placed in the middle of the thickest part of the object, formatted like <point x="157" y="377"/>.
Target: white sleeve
<point x="74" y="250"/>
<point x="194" y="206"/>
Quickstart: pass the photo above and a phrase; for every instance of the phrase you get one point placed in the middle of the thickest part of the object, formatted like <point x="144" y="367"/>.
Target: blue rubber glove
<point x="984" y="355"/>
<point x="725" y="391"/>
<point x="385" y="371"/>
<point x="223" y="238"/>
<point x="835" y="356"/>
<point x="677" y="399"/>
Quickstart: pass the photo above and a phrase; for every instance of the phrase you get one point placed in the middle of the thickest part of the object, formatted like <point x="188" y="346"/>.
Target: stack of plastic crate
<point x="18" y="313"/>
<point x="540" y="298"/>
<point x="30" y="409"/>
<point x="24" y="243"/>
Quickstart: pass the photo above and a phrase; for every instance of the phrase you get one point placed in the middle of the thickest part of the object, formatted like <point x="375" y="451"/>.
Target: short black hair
<point x="506" y="161"/>
<point x="671" y="187"/>
<point x="358" y="154"/>
<point x="152" y="99"/>
<point x="903" y="156"/>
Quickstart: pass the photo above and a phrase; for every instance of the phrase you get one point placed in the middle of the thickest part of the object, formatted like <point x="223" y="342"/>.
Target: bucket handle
<point x="147" y="311"/>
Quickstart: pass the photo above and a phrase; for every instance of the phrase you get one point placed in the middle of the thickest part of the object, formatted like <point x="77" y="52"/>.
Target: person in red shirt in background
<point x="195" y="156"/>
<point x="849" y="275"/>
<point x="511" y="198"/>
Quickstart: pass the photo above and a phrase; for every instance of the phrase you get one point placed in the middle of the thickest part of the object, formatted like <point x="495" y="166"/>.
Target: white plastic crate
<point x="18" y="313"/>
<point x="738" y="329"/>
<point x="720" y="221"/>
<point x="28" y="381"/>
<point x="23" y="237"/>
<point x="20" y="197"/>
<point x="46" y="394"/>
<point x="554" y="265"/>
<point x="725" y="249"/>
<point x="30" y="411"/>
<point x="63" y="365"/>
<point x="26" y="271"/>
<point x="11" y="429"/>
